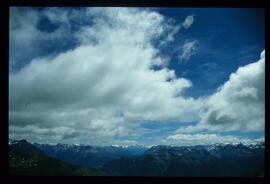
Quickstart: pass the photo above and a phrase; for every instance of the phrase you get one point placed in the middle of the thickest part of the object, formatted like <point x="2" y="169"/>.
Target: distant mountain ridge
<point x="89" y="156"/>
<point x="222" y="160"/>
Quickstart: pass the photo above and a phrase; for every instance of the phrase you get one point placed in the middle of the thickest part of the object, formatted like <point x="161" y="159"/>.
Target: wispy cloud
<point x="188" y="21"/>
<point x="187" y="50"/>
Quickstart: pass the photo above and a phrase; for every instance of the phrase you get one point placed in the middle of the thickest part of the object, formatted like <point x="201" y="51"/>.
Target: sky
<point x="137" y="76"/>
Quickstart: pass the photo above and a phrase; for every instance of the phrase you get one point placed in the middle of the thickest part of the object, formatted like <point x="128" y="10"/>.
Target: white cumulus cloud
<point x="237" y="105"/>
<point x="77" y="95"/>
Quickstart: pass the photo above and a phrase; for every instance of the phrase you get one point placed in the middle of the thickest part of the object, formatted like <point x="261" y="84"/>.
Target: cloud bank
<point x="202" y="139"/>
<point x="102" y="86"/>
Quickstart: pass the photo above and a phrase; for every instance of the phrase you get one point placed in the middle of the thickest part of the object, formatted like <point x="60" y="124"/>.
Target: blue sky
<point x="228" y="38"/>
<point x="122" y="89"/>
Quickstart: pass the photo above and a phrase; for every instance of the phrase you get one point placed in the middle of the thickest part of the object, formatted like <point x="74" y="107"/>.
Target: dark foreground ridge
<point x="26" y="159"/>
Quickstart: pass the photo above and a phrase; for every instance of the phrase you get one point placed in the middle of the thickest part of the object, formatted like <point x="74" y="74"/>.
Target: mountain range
<point x="89" y="156"/>
<point x="216" y="160"/>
